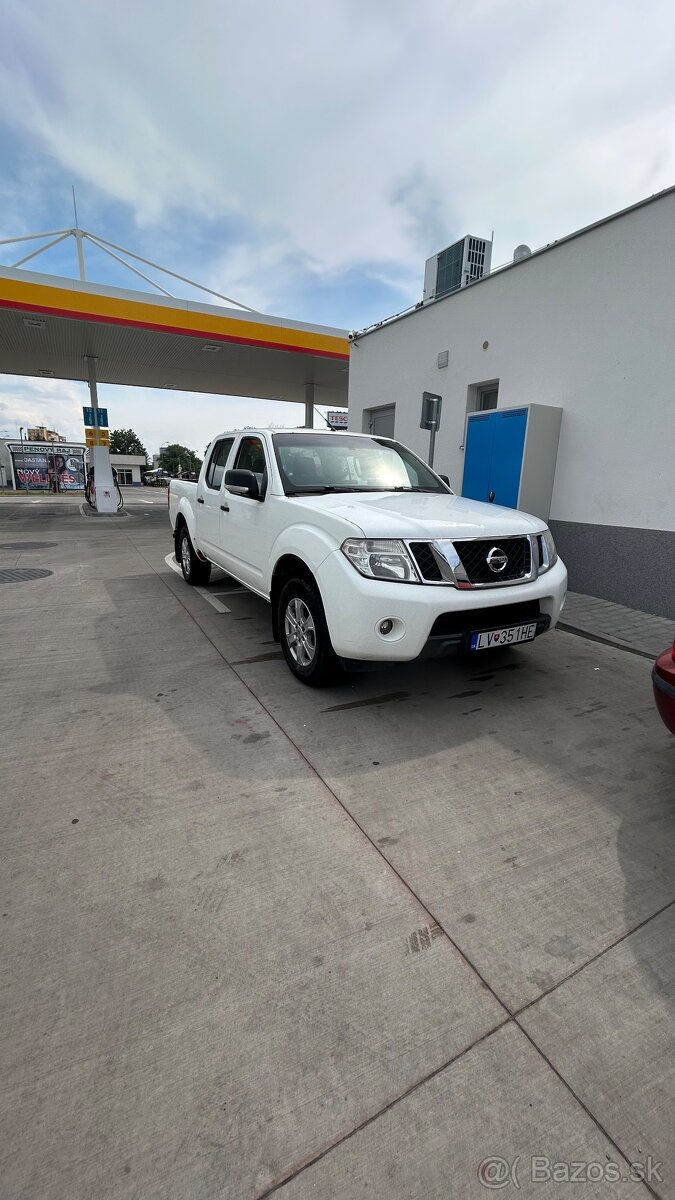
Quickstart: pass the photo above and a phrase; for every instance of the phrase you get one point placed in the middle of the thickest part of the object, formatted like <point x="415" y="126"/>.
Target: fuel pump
<point x="90" y="485"/>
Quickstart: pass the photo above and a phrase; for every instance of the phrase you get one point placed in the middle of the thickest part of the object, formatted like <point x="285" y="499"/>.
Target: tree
<point x="125" y="441"/>
<point x="177" y="458"/>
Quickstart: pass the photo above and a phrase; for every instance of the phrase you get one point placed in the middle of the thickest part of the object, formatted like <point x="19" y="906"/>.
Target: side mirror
<point x="242" y="483"/>
<point x="445" y="479"/>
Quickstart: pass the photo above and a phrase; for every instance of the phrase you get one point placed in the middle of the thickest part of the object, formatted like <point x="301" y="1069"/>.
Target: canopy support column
<point x="99" y="456"/>
<point x="309" y="406"/>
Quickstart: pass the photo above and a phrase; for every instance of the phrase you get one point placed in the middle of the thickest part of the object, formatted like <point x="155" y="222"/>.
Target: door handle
<point x="199" y="500"/>
<point x="224" y="508"/>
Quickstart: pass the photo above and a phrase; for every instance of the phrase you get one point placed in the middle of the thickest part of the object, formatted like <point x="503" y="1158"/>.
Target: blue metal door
<point x="507" y="455"/>
<point x="478" y="456"/>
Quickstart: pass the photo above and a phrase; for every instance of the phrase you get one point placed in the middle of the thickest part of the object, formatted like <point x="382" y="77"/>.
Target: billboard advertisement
<point x="36" y="463"/>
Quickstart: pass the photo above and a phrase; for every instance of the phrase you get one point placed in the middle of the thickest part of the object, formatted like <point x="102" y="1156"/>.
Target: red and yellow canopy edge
<point x="111" y="310"/>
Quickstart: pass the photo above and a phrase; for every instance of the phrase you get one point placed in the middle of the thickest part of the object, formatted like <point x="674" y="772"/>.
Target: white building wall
<point x="129" y="462"/>
<point x="586" y="325"/>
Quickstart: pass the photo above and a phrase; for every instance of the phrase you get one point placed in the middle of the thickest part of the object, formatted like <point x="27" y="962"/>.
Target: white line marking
<point x="171" y="562"/>
<point x="221" y="608"/>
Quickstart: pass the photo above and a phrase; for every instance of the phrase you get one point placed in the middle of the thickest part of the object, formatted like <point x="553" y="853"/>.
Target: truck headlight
<point x="548" y="555"/>
<point x="381" y="559"/>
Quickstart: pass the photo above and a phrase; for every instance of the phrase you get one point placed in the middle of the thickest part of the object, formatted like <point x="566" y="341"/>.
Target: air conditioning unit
<point x="453" y="268"/>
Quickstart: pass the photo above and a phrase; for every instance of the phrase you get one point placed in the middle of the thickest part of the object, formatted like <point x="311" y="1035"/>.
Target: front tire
<point x="195" y="571"/>
<point x="304" y="636"/>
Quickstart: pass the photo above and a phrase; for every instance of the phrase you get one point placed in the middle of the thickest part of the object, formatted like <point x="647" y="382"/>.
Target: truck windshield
<point x="336" y="462"/>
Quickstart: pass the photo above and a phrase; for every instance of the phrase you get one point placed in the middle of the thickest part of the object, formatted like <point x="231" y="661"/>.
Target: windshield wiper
<point x="323" y="489"/>
<point x="407" y="489"/>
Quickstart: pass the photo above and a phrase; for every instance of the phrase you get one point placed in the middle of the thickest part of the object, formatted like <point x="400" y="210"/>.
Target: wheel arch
<point x="181" y="523"/>
<point x="289" y="566"/>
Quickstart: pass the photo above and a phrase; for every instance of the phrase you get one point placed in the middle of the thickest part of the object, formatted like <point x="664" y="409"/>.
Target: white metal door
<point x="245" y="535"/>
<point x="210" y="496"/>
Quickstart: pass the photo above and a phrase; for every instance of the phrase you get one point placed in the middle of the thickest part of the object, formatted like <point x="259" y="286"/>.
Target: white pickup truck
<point x="364" y="553"/>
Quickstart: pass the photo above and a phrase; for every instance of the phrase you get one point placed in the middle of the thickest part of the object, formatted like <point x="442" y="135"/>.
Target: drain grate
<point x="23" y="575"/>
<point x="26" y="545"/>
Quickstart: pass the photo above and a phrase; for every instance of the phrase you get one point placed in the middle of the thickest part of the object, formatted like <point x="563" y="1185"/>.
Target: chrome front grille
<point x="464" y="563"/>
<point x="474" y="556"/>
<point x="425" y="558"/>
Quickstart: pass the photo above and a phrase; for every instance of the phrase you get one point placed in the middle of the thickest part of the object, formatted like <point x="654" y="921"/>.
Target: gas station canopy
<point x="49" y="326"/>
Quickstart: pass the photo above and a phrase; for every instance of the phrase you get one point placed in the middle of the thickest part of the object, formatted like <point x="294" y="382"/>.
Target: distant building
<point x="40" y="433"/>
<point x="128" y="467"/>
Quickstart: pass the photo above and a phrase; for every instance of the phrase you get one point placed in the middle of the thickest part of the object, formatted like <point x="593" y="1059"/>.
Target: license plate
<point x="503" y="637"/>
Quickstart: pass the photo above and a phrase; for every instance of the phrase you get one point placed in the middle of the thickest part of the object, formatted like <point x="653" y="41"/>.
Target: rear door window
<point x="217" y="462"/>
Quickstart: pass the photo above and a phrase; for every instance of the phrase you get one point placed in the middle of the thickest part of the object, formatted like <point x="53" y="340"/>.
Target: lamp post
<point x="4" y="433"/>
<point x="160" y="453"/>
<point x="22" y="461"/>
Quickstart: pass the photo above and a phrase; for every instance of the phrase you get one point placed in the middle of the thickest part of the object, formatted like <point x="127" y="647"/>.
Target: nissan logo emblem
<point x="497" y="560"/>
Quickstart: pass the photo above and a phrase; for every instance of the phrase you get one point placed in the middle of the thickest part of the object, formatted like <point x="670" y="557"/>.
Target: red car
<point x="663" y="678"/>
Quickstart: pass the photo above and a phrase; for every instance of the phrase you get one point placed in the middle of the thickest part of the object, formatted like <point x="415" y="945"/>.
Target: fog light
<point x="386" y="627"/>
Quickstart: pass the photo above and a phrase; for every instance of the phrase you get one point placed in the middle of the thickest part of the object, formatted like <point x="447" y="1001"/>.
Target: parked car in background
<point x="158" y="478"/>
<point x="663" y="679"/>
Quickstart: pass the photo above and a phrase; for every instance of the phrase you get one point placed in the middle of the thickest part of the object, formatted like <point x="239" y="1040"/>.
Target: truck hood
<point x="422" y="515"/>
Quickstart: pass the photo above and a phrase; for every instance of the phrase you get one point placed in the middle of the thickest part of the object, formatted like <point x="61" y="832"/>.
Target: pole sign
<point x="338" y="420"/>
<point x="97" y="437"/>
<point x="90" y="423"/>
<point x="431" y="411"/>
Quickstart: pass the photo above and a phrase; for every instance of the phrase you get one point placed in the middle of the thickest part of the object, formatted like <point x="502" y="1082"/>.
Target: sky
<point x="306" y="158"/>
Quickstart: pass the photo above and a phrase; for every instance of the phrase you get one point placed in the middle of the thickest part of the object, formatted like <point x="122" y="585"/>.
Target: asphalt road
<point x="349" y="943"/>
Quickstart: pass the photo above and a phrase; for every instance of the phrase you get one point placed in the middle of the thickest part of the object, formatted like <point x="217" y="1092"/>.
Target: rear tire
<point x="303" y="633"/>
<point x="195" y="571"/>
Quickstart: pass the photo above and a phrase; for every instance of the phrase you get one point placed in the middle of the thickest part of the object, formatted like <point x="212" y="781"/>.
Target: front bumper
<point x="427" y="620"/>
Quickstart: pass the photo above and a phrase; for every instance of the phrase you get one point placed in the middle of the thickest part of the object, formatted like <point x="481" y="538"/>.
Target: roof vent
<point x="521" y="252"/>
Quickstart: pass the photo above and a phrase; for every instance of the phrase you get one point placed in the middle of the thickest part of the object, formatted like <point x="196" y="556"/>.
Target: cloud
<point x="54" y="403"/>
<point x="319" y="126"/>
<point x="307" y="158"/>
<point x="156" y="416"/>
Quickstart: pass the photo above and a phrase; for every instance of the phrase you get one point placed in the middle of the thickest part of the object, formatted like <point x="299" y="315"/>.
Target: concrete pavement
<point x="349" y="943"/>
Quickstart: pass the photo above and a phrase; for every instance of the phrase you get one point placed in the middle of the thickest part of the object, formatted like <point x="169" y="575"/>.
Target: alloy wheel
<point x="300" y="632"/>
<point x="185" y="555"/>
